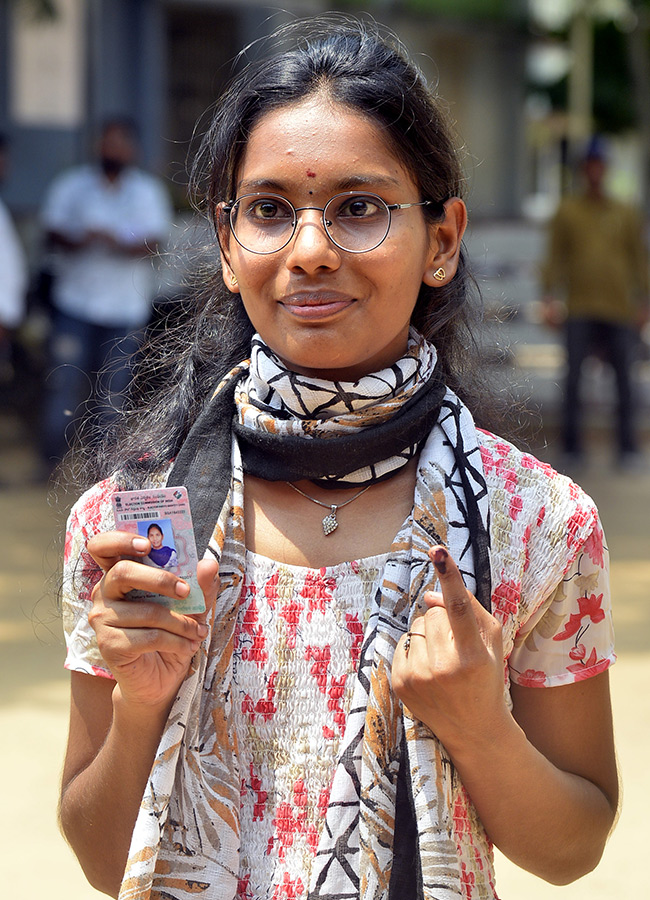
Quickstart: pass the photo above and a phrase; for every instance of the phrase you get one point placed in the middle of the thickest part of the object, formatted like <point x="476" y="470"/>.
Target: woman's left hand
<point x="450" y="672"/>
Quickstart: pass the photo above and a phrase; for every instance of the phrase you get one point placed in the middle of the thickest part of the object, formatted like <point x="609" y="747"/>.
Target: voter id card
<point x="163" y="516"/>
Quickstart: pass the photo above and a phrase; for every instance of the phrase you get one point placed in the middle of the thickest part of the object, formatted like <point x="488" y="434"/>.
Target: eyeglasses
<point x="355" y="222"/>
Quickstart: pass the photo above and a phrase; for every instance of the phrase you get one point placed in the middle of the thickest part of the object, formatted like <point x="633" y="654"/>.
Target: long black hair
<point x="366" y="69"/>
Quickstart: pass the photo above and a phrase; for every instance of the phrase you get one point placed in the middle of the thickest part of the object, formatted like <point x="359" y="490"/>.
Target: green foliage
<point x="614" y="107"/>
<point x="614" y="99"/>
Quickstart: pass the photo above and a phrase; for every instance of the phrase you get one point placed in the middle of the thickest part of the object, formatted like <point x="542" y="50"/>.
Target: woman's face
<point x="326" y="312"/>
<point x="155" y="536"/>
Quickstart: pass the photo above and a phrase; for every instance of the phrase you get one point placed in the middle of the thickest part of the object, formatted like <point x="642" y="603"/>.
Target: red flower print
<point x="575" y="526"/>
<point x="290" y="612"/>
<point x="572" y="627"/>
<point x="271" y="590"/>
<point x="493" y="464"/>
<point x="461" y="818"/>
<point x="532" y="678"/>
<point x="317" y="591"/>
<point x="594" y="548"/>
<point x="578" y="652"/>
<point x="467" y="879"/>
<point x="588" y="667"/>
<point x="336" y="691"/>
<point x="323" y="800"/>
<point x="266" y="706"/>
<point x="589" y="606"/>
<point x="290" y="889"/>
<point x="290" y="822"/>
<point x="243" y="890"/>
<point x="541" y="516"/>
<point x="262" y="796"/>
<point x="247" y="707"/>
<point x="255" y="649"/>
<point x="91" y="574"/>
<point x="516" y="506"/>
<point x="355" y="628"/>
<point x="530" y="462"/>
<point x="321" y="657"/>
<point x="592" y="606"/>
<point x="505" y="599"/>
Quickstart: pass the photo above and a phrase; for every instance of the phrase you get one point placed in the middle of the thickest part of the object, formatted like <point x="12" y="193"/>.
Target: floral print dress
<point x="298" y="638"/>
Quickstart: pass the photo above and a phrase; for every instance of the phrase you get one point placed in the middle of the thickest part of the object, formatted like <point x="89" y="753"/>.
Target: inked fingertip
<point x="440" y="557"/>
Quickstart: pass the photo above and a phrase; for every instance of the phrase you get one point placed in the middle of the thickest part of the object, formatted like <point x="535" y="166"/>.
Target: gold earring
<point x="440" y="274"/>
<point x="233" y="280"/>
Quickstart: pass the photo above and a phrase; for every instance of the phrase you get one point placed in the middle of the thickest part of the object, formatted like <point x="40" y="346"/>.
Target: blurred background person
<point x="101" y="222"/>
<point x="595" y="283"/>
<point x="13" y="278"/>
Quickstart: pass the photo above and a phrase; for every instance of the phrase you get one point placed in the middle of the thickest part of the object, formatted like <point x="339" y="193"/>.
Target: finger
<point x="456" y="598"/>
<point x="126" y="575"/>
<point x="405" y="649"/>
<point x="108" y="547"/>
<point x="130" y="617"/>
<point x="126" y="629"/>
<point x="207" y="573"/>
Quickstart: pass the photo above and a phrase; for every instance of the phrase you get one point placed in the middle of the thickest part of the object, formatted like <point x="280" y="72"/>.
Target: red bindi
<point x="310" y="174"/>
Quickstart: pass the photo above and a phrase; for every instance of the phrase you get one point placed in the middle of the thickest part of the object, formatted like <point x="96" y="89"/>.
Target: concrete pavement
<point x="34" y="687"/>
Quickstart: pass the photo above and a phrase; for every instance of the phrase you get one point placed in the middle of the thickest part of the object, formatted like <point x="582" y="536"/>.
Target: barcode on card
<point x="126" y="517"/>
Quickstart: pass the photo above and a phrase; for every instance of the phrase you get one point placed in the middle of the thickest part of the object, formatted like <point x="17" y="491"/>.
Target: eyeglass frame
<point x="390" y="207"/>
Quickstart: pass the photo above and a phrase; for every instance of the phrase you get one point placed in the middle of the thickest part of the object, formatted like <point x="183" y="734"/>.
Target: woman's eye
<point x="269" y="209"/>
<point x="358" y="207"/>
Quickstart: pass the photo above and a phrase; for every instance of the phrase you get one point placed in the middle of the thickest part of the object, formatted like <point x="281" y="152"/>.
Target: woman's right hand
<point x="147" y="646"/>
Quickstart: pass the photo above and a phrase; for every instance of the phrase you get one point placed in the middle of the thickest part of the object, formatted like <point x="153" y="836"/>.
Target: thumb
<point x="207" y="574"/>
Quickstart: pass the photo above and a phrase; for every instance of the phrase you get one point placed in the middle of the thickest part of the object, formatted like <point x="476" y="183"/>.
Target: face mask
<point x="111" y="167"/>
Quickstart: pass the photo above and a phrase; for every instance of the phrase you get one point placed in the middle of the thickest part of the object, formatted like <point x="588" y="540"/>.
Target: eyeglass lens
<point x="264" y="223"/>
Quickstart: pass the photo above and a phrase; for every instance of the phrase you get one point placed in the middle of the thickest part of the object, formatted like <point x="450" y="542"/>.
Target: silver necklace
<point x="330" y="522"/>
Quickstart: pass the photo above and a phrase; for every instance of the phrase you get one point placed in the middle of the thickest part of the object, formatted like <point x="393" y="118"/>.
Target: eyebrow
<point x="346" y="184"/>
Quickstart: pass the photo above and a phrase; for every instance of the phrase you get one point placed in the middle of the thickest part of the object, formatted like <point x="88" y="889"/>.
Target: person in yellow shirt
<point x="597" y="263"/>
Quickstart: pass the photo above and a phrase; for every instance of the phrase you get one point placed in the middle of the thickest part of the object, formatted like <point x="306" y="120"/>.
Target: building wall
<point x="164" y="61"/>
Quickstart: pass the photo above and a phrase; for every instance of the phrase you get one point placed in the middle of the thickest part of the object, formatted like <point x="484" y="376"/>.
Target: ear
<point x="446" y="238"/>
<point x="229" y="277"/>
<point x="223" y="236"/>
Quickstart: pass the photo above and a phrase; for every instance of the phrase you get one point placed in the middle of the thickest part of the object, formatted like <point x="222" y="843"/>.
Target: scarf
<point x="392" y="771"/>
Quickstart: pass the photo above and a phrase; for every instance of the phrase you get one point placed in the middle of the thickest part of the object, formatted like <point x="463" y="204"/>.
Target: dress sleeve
<point x="92" y="513"/>
<point x="571" y="636"/>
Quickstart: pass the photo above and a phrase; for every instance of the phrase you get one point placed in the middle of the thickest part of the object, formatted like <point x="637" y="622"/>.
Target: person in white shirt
<point x="13" y="272"/>
<point x="104" y="221"/>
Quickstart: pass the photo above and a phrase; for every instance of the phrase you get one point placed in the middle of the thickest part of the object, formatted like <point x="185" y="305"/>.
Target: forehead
<point x="321" y="142"/>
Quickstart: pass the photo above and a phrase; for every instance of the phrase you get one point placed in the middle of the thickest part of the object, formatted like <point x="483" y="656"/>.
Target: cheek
<point x="254" y="272"/>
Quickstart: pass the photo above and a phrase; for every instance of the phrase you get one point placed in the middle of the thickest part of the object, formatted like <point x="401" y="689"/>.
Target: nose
<point x="311" y="248"/>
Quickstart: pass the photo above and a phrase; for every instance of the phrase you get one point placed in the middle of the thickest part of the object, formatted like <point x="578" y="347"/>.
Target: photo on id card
<point x="163" y="516"/>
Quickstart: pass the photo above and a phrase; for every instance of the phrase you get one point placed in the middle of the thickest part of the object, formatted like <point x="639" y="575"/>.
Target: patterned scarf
<point x="377" y="423"/>
<point x="392" y="771"/>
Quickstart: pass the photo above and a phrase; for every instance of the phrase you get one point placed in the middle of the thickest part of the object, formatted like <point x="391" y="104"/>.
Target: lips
<point x="316" y="304"/>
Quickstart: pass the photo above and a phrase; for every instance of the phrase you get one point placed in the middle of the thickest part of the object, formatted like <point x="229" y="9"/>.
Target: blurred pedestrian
<point x="597" y="263"/>
<point x="13" y="277"/>
<point x="102" y="221"/>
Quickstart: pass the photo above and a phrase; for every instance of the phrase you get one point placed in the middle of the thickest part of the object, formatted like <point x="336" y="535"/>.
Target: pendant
<point x="329" y="522"/>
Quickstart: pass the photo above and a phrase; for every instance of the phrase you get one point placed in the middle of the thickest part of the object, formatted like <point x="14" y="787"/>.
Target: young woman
<point x="160" y="554"/>
<point x="404" y="653"/>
